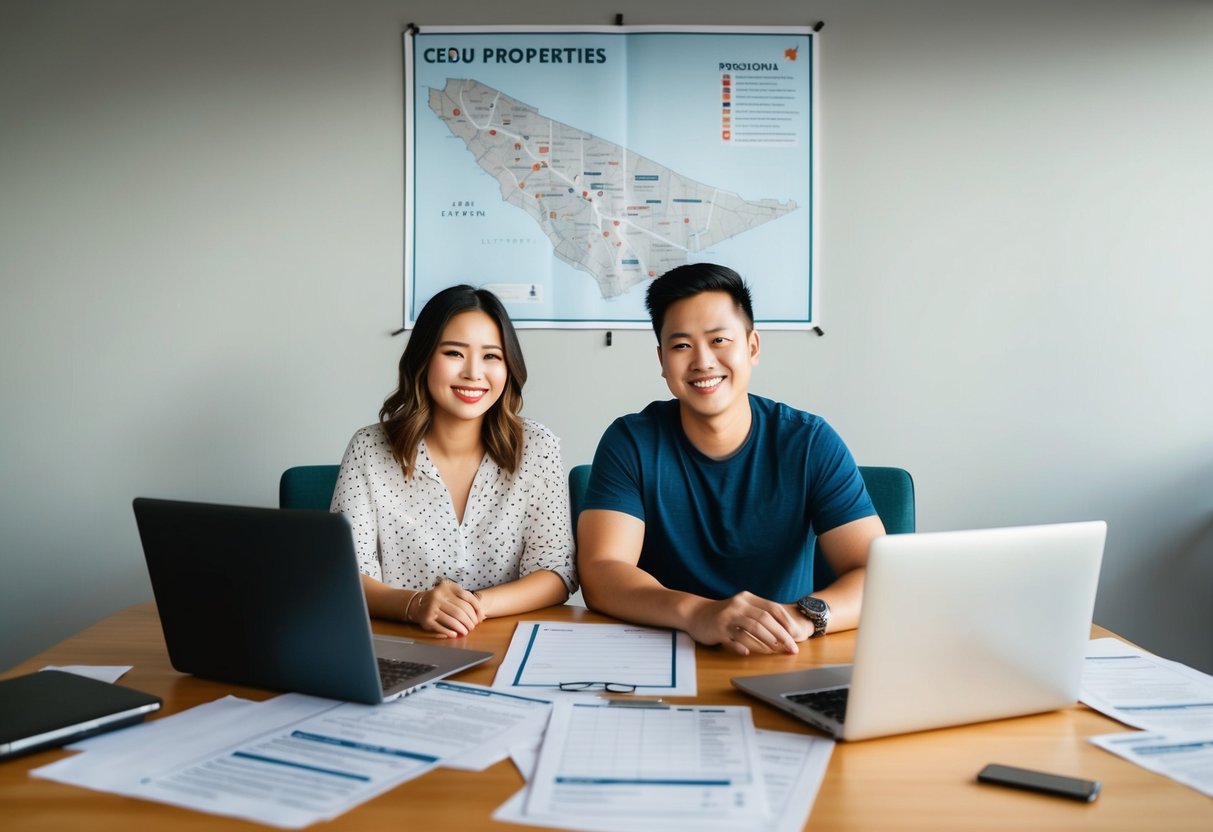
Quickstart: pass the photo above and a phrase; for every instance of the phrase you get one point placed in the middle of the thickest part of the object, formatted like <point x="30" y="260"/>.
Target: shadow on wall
<point x="1157" y="584"/>
<point x="1190" y="567"/>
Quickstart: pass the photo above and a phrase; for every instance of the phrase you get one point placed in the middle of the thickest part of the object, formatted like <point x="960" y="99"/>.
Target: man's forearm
<point x="743" y="623"/>
<point x="627" y="592"/>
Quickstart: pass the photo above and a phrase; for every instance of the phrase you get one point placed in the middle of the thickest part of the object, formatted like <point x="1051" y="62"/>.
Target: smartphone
<point x="1039" y="781"/>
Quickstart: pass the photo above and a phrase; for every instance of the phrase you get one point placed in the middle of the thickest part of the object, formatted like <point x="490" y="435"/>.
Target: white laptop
<point x="956" y="627"/>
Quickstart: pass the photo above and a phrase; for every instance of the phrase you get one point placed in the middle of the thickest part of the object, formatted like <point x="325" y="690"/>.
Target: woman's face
<point x="467" y="372"/>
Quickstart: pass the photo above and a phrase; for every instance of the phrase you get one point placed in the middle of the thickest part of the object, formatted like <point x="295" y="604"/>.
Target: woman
<point x="460" y="508"/>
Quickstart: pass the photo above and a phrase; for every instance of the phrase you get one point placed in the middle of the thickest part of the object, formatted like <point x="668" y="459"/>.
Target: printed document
<point x="295" y="760"/>
<point x="793" y="766"/>
<point x="546" y="654"/>
<point x="311" y="770"/>
<point x="183" y="729"/>
<point x="603" y="764"/>
<point x="475" y="727"/>
<point x="101" y="672"/>
<point x="1146" y="691"/>
<point x="1185" y="758"/>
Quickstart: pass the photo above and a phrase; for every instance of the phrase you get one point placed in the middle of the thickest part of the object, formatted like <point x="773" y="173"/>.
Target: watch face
<point x="814" y="605"/>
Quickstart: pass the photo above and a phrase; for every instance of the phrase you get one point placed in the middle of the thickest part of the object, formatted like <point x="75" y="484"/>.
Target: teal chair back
<point x="311" y="486"/>
<point x="308" y="486"/>
<point x="891" y="490"/>
<point x="579" y="481"/>
<point x="892" y="493"/>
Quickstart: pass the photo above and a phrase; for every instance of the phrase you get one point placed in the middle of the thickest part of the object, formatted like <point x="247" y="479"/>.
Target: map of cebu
<point x="606" y="210"/>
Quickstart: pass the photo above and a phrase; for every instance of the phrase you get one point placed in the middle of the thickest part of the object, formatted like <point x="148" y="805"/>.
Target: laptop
<point x="956" y="627"/>
<point x="271" y="598"/>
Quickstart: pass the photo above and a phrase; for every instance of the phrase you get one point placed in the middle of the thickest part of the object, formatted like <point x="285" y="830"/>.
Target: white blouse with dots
<point x="406" y="534"/>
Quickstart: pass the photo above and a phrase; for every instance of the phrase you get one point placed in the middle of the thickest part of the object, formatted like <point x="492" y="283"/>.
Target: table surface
<point x="915" y="781"/>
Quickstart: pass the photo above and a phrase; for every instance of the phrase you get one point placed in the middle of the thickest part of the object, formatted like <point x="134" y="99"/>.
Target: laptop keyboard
<point x="393" y="673"/>
<point x="832" y="703"/>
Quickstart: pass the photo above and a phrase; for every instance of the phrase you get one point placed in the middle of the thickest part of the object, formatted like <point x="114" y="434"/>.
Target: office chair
<point x="308" y="486"/>
<point x="311" y="486"/>
<point x="892" y="493"/>
<point x="579" y="481"/>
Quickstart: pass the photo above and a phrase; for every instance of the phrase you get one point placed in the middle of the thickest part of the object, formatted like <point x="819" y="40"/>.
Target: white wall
<point x="200" y="254"/>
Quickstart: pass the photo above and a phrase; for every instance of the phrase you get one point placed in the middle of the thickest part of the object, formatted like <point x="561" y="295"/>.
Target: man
<point x="702" y="512"/>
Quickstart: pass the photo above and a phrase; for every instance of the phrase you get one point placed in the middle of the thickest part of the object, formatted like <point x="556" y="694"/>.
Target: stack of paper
<point x="638" y="765"/>
<point x="604" y="768"/>
<point x="295" y="760"/>
<point x="1171" y="701"/>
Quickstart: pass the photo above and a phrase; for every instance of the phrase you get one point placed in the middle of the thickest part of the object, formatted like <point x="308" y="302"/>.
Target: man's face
<point x="706" y="354"/>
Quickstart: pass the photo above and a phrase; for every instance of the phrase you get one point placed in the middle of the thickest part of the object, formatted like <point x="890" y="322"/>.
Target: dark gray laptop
<point x="271" y="598"/>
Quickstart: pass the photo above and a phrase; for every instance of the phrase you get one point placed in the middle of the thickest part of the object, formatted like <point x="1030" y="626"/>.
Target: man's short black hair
<point x="693" y="279"/>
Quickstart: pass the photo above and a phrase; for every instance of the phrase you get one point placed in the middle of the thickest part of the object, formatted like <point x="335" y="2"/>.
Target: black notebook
<point x="49" y="708"/>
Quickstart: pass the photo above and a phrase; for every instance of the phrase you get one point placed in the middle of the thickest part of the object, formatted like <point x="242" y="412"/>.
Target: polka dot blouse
<point x="406" y="534"/>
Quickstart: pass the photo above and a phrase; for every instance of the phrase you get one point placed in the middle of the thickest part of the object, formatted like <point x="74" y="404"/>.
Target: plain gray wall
<point x="200" y="247"/>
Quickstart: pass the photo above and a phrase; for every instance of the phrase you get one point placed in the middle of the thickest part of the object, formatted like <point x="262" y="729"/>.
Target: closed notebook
<point x="49" y="708"/>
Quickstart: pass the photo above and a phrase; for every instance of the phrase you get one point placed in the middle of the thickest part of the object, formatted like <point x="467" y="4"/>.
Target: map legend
<point x="726" y="132"/>
<point x="762" y="109"/>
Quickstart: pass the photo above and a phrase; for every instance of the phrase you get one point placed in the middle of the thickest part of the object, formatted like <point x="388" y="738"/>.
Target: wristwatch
<point x="817" y="611"/>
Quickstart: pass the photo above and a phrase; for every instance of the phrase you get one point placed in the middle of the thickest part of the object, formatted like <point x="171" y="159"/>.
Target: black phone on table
<point x="1039" y="781"/>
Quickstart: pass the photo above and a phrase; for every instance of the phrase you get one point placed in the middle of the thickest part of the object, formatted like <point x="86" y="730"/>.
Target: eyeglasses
<point x="609" y="687"/>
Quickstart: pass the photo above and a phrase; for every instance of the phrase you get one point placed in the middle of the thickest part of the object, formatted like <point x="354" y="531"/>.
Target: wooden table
<point x="918" y="781"/>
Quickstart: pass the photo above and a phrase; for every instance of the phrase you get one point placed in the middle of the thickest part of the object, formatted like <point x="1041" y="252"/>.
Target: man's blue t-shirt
<point x="748" y="522"/>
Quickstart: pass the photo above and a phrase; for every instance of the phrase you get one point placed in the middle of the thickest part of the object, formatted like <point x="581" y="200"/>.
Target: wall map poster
<point x="565" y="168"/>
